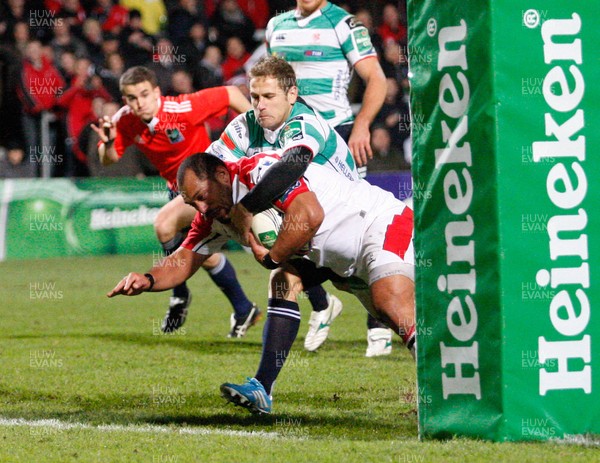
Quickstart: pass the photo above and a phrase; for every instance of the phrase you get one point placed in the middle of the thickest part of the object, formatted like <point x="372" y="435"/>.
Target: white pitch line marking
<point x="149" y="428"/>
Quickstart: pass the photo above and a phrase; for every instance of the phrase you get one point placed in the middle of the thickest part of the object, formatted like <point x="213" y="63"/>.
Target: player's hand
<point x="131" y="285"/>
<point x="106" y="130"/>
<point x="258" y="249"/>
<point x="360" y="144"/>
<point x="241" y="221"/>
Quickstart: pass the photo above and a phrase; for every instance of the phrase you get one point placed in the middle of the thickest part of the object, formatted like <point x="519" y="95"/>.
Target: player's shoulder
<point x="256" y="165"/>
<point x="177" y="104"/>
<point x="336" y="15"/>
<point x="302" y="111"/>
<point x="281" y="19"/>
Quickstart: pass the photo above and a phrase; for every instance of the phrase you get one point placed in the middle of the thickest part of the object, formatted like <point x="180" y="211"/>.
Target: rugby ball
<point x="265" y="227"/>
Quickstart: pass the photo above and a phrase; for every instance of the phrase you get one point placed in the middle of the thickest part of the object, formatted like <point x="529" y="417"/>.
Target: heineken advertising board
<point x="60" y="217"/>
<point x="505" y="118"/>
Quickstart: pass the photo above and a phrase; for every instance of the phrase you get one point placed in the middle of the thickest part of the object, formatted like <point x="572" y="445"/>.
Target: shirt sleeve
<point x="123" y="139"/>
<point x="207" y="103"/>
<point x="354" y="39"/>
<point x="283" y="202"/>
<point x="300" y="131"/>
<point x="269" y="34"/>
<point x="234" y="141"/>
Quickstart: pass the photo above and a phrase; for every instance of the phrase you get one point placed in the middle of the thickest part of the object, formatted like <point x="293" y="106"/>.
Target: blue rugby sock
<point x="225" y="278"/>
<point x="279" y="333"/>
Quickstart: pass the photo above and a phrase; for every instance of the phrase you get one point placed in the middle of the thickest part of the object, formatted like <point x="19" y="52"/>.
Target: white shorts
<point x="387" y="247"/>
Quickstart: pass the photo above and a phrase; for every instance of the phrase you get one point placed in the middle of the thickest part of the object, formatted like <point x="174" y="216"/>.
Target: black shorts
<point x="311" y="275"/>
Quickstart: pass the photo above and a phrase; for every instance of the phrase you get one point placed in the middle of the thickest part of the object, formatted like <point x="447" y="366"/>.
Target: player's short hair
<point x="137" y="75"/>
<point x="203" y="165"/>
<point x="280" y="69"/>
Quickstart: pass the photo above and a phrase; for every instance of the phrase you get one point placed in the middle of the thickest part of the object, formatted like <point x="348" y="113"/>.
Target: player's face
<point x="272" y="106"/>
<point x="308" y="7"/>
<point x="212" y="198"/>
<point x="142" y="99"/>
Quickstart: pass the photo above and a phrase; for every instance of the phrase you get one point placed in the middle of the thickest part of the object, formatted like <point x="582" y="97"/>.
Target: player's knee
<point x="284" y="285"/>
<point x="164" y="226"/>
<point x="212" y="261"/>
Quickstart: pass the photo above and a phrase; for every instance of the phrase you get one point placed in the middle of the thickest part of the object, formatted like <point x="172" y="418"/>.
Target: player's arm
<point x="237" y="101"/>
<point x="371" y="73"/>
<point x="281" y="176"/>
<point x="301" y="221"/>
<point x="278" y="178"/>
<point x="107" y="131"/>
<point x="168" y="273"/>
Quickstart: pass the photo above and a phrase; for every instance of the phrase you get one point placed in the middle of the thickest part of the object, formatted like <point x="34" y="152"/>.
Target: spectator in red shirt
<point x="113" y="18"/>
<point x="39" y="88"/>
<point x="392" y="28"/>
<point x="235" y="59"/>
<point x="77" y="100"/>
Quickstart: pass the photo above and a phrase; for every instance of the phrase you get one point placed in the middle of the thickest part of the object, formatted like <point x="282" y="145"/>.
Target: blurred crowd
<point x="60" y="63"/>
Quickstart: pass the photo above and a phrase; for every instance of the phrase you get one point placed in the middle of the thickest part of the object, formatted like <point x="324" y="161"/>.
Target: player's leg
<point x="246" y="313"/>
<point x="394" y="303"/>
<point x="379" y="338"/>
<point x="172" y="218"/>
<point x="279" y="333"/>
<point x="387" y="264"/>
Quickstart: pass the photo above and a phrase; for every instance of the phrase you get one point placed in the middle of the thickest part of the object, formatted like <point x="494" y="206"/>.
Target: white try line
<point x="147" y="428"/>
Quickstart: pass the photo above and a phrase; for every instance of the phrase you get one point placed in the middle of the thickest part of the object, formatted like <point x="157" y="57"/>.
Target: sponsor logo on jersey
<point x="292" y="132"/>
<point x="362" y="40"/>
<point x="238" y="129"/>
<point x="279" y="37"/>
<point x="174" y="135"/>
<point x="285" y="195"/>
<point x="318" y="53"/>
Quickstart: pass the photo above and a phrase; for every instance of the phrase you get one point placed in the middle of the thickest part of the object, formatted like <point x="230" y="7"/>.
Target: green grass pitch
<point x="89" y="379"/>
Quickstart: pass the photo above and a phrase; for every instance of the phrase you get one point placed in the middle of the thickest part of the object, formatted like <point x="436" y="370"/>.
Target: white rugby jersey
<point x="323" y="49"/>
<point x="350" y="207"/>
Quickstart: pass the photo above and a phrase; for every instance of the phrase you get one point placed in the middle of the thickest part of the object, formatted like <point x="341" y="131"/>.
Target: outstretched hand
<point x="106" y="130"/>
<point x="131" y="285"/>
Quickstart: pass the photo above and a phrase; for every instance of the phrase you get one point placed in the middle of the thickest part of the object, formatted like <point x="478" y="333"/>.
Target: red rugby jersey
<point x="176" y="131"/>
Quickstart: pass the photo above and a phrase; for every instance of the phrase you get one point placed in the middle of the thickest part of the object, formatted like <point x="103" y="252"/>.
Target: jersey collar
<point x="152" y="124"/>
<point x="302" y="21"/>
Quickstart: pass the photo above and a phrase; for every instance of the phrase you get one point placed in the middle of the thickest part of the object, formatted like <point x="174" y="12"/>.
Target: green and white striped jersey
<point x="323" y="49"/>
<point x="244" y="136"/>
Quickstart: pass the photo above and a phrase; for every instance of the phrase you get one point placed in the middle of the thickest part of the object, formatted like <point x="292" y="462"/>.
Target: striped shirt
<point x="323" y="49"/>
<point x="244" y="137"/>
